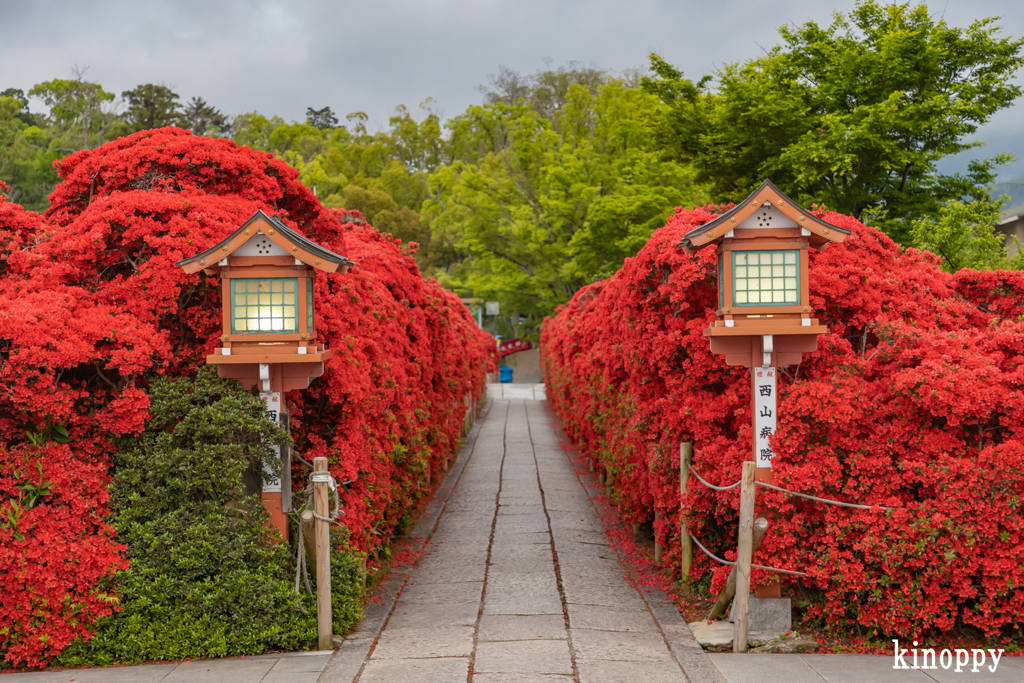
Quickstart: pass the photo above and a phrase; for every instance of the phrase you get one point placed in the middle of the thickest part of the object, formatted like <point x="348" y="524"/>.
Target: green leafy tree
<point x="964" y="234"/>
<point x="151" y="106"/>
<point x="382" y="174"/>
<point x="10" y="129"/>
<point x="82" y="115"/>
<point x="26" y="160"/>
<point x="546" y="91"/>
<point x="23" y="115"/>
<point x="551" y="204"/>
<point x="383" y="212"/>
<point x="321" y="118"/>
<point x="417" y="144"/>
<point x="253" y="129"/>
<point x="854" y="115"/>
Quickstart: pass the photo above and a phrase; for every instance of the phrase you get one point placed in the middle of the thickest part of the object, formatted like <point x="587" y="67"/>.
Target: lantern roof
<point x="765" y="198"/>
<point x="277" y="238"/>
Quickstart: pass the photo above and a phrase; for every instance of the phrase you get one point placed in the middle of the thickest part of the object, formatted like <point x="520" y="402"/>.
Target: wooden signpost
<point x="763" y="322"/>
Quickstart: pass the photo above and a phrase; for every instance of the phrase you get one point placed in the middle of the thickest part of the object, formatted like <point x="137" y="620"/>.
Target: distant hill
<point x="1014" y="188"/>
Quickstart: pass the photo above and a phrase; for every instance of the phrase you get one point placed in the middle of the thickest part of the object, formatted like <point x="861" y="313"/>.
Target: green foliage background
<point x="208" y="577"/>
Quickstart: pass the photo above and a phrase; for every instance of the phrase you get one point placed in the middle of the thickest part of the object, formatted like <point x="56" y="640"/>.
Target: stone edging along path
<point x="352" y="656"/>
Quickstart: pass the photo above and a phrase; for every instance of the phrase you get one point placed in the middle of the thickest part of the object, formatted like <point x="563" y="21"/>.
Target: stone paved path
<point x="517" y="583"/>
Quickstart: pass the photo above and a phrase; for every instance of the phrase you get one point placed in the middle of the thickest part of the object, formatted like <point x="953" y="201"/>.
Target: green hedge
<point x="207" y="578"/>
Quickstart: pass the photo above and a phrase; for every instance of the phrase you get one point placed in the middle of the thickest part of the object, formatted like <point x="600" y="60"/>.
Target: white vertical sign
<point x="272" y="481"/>
<point x="764" y="414"/>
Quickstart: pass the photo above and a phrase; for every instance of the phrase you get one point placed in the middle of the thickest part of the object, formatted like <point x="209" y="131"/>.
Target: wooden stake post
<point x="744" y="557"/>
<point x="657" y="545"/>
<point x="729" y="592"/>
<point x="323" y="560"/>
<point x="686" y="544"/>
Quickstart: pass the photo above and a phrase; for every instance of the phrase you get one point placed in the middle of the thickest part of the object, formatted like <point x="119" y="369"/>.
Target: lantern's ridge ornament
<point x="764" y="314"/>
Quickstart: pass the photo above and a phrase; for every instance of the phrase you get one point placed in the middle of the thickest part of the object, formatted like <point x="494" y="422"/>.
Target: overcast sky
<point x="279" y="57"/>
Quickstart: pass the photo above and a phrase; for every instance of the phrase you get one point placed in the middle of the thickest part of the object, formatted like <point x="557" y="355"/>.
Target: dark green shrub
<point x="207" y="577"/>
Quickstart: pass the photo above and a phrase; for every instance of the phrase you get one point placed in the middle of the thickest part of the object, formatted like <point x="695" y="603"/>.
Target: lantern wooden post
<point x="324" y="621"/>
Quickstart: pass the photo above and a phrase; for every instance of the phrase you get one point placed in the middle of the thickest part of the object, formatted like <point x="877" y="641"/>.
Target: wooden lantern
<point x="267" y="271"/>
<point x="764" y="314"/>
<point x="269" y="336"/>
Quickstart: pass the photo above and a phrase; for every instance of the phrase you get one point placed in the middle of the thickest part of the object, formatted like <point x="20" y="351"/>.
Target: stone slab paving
<point x="517" y="581"/>
<point x="511" y="391"/>
<point x="298" y="667"/>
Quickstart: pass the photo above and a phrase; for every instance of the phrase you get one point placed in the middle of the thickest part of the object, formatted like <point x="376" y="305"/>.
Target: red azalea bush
<point x="92" y="303"/>
<point x="914" y="400"/>
<point x="54" y="550"/>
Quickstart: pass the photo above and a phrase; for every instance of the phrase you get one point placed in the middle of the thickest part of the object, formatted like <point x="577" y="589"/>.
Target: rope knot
<point x="324" y="478"/>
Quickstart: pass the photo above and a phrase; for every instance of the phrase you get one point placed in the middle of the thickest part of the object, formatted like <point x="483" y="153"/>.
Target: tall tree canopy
<point x="321" y="118"/>
<point x="151" y="106"/>
<point x="557" y="176"/>
<point x="81" y="114"/>
<point x="854" y="115"/>
<point x="383" y="175"/>
<point x="552" y="191"/>
<point x="203" y="118"/>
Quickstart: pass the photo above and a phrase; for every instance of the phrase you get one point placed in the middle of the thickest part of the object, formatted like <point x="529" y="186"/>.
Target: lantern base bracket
<point x="236" y="358"/>
<point x="750" y="350"/>
<point x="759" y="327"/>
<point x="283" y="376"/>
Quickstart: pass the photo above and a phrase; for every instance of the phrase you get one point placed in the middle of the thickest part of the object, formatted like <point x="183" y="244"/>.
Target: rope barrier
<point x="780" y="571"/>
<point x="733" y="564"/>
<point x="300" y="564"/>
<point x="710" y="554"/>
<point x="823" y="500"/>
<point x="707" y="483"/>
<point x="828" y="501"/>
<point x="301" y="568"/>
